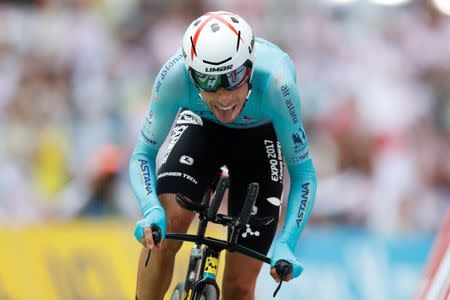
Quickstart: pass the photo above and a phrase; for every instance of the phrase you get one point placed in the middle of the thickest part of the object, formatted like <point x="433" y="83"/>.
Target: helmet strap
<point x="249" y="90"/>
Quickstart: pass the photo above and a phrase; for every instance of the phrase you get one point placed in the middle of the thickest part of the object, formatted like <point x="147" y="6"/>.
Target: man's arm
<point x="167" y="97"/>
<point x="284" y="110"/>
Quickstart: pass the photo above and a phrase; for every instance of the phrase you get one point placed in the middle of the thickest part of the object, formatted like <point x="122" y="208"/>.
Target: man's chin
<point x="226" y="120"/>
<point x="227" y="116"/>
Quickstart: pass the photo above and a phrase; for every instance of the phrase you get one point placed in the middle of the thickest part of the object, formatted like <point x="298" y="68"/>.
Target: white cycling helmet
<point x="218" y="51"/>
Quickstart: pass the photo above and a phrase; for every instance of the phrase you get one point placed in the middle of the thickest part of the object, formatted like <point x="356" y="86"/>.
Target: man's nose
<point x="224" y="97"/>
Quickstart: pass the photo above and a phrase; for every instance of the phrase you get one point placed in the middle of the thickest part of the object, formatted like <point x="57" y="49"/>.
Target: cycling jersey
<point x="274" y="99"/>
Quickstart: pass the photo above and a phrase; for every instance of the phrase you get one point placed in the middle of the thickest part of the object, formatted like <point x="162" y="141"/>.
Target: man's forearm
<point x="143" y="176"/>
<point x="300" y="202"/>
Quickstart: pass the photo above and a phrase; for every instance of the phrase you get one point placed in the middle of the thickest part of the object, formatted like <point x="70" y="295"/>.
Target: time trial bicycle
<point x="200" y="282"/>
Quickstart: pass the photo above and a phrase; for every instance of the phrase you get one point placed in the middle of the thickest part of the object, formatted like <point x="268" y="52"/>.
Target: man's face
<point x="224" y="104"/>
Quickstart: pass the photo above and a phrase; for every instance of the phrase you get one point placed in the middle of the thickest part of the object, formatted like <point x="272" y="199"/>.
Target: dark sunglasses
<point x="229" y="81"/>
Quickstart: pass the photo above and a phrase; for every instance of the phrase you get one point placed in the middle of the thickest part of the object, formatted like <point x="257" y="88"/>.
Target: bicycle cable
<point x="282" y="277"/>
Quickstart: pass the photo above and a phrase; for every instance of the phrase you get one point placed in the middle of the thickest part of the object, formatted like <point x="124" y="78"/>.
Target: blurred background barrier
<point x="81" y="260"/>
<point x="96" y="260"/>
<point x="347" y="263"/>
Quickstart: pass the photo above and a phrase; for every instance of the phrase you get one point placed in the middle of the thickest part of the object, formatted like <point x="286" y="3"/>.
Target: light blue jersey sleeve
<point x="283" y="107"/>
<point x="167" y="97"/>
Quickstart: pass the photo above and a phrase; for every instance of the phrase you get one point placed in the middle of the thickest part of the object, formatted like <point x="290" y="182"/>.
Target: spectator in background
<point x="98" y="189"/>
<point x="107" y="164"/>
<point x="74" y="76"/>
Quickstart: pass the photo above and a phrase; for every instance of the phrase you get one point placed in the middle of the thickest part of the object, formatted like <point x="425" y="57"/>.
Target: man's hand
<point x="144" y="231"/>
<point x="274" y="274"/>
<point x="148" y="241"/>
<point x="283" y="252"/>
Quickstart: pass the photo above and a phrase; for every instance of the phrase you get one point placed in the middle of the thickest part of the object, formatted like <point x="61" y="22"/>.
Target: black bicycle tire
<point x="209" y="292"/>
<point x="179" y="288"/>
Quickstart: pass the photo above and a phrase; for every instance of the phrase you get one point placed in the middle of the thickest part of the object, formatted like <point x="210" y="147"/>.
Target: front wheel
<point x="177" y="293"/>
<point x="208" y="292"/>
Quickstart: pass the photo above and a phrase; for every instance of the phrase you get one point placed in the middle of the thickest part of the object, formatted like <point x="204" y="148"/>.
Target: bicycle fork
<point x="210" y="264"/>
<point x="194" y="271"/>
<point x="202" y="270"/>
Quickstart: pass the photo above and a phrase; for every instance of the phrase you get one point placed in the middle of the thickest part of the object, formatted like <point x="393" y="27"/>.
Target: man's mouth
<point x="225" y="108"/>
<point x="226" y="114"/>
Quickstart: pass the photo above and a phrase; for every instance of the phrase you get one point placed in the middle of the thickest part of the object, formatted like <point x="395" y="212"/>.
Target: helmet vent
<point x="234" y="20"/>
<point x="215" y="27"/>
<point x="193" y="46"/>
<point x="238" y="41"/>
<point x="197" y="22"/>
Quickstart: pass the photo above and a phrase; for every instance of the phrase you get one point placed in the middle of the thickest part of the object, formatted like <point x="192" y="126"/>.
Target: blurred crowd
<point x="76" y="77"/>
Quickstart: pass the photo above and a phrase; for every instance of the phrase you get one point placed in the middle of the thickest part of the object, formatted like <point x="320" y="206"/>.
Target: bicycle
<point x="200" y="282"/>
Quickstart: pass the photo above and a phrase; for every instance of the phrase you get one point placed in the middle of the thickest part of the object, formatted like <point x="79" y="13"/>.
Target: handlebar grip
<point x="250" y="199"/>
<point x="222" y="185"/>
<point x="283" y="268"/>
<point x="156" y="233"/>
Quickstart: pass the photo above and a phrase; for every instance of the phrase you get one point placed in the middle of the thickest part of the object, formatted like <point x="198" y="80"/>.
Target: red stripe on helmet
<point x="197" y="33"/>
<point x="212" y="16"/>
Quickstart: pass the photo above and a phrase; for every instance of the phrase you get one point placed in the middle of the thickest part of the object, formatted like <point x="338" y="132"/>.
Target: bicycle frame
<point x="204" y="262"/>
<point x="209" y="263"/>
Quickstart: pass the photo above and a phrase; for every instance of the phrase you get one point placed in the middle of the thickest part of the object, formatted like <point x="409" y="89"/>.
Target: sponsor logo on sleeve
<point x="285" y="91"/>
<point x="147" y="129"/>
<point x="149" y="117"/>
<point x="299" y="139"/>
<point x="301" y="157"/>
<point x="165" y="71"/>
<point x="300" y="146"/>
<point x="303" y="204"/>
<point x="146" y="138"/>
<point x="145" y="173"/>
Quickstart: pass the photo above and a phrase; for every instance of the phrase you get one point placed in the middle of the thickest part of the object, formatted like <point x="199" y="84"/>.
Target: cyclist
<point x="224" y="98"/>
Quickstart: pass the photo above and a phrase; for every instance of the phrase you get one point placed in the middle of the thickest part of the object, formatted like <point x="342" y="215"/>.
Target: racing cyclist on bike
<point x="224" y="98"/>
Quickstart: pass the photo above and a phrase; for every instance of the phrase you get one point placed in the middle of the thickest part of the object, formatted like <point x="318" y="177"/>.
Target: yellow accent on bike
<point x="211" y="265"/>
<point x="186" y="296"/>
